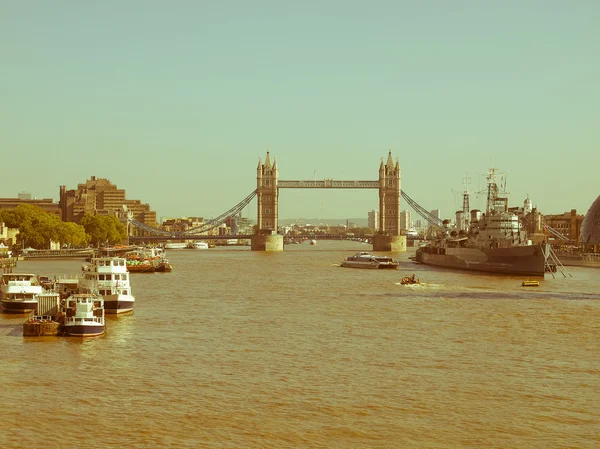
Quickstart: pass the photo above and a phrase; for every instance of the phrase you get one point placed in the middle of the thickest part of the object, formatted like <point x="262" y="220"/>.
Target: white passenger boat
<point x="197" y="245"/>
<point x="109" y="277"/>
<point x="366" y="260"/>
<point x="84" y="315"/>
<point x="175" y="245"/>
<point x="66" y="285"/>
<point x="18" y="292"/>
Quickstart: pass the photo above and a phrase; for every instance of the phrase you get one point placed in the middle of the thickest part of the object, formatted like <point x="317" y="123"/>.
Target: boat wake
<point x="441" y="291"/>
<point x="419" y="285"/>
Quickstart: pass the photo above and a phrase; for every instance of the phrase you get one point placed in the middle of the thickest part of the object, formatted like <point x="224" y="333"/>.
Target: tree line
<point x="37" y="228"/>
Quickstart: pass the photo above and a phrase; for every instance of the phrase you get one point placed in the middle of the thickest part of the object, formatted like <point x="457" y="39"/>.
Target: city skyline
<point x="177" y="102"/>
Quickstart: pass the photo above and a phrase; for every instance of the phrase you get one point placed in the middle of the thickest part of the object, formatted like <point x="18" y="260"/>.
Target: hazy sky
<point x="175" y="101"/>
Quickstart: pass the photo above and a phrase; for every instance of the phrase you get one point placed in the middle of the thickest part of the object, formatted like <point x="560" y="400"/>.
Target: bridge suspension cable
<point x="207" y="226"/>
<point x="428" y="216"/>
<point x="148" y="228"/>
<point x="555" y="233"/>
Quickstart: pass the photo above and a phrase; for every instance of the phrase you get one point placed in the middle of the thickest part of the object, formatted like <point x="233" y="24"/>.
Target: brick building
<point x="98" y="196"/>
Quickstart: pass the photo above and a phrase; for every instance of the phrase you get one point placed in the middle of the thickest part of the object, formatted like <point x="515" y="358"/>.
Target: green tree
<point x="101" y="229"/>
<point x="34" y="224"/>
<point x="72" y="234"/>
<point x="37" y="228"/>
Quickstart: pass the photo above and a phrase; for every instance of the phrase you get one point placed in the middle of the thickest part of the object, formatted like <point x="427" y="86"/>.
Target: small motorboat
<point x="530" y="283"/>
<point x="164" y="266"/>
<point x="410" y="280"/>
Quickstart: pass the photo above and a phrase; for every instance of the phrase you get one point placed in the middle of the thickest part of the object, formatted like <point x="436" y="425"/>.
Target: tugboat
<point x="163" y="266"/>
<point x="84" y="315"/>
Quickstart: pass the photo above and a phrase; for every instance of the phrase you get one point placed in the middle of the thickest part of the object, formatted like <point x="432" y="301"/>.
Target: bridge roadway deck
<point x="161" y="238"/>
<point x="327" y="184"/>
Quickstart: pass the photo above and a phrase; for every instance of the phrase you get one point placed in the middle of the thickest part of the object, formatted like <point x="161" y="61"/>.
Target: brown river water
<point x="242" y="349"/>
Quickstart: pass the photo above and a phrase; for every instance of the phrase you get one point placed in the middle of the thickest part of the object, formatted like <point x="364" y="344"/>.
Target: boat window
<point x="101" y="277"/>
<point x="108" y="277"/>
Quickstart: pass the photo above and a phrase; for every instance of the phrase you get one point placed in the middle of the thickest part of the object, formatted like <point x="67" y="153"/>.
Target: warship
<point x="493" y="242"/>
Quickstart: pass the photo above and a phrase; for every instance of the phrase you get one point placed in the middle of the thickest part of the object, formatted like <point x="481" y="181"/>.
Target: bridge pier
<point x="273" y="242"/>
<point x="393" y="243"/>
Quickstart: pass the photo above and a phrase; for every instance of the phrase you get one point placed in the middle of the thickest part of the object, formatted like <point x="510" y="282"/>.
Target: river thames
<point x="242" y="349"/>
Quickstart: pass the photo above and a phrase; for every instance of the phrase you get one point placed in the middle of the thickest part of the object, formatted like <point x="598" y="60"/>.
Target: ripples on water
<point x="242" y="349"/>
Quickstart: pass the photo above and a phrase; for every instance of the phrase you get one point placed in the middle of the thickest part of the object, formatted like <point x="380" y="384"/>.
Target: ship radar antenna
<point x="466" y="182"/>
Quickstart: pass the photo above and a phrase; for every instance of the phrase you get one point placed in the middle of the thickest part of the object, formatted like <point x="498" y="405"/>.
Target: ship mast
<point x="493" y="203"/>
<point x="492" y="193"/>
<point x="466" y="208"/>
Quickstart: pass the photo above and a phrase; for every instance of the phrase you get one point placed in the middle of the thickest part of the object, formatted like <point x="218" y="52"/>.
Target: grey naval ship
<point x="493" y="242"/>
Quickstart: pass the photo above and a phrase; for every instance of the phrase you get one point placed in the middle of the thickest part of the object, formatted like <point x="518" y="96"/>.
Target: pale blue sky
<point x="175" y="101"/>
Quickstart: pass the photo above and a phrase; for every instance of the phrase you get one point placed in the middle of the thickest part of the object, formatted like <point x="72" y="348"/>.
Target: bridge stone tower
<point x="267" y="193"/>
<point x="389" y="238"/>
<point x="267" y="190"/>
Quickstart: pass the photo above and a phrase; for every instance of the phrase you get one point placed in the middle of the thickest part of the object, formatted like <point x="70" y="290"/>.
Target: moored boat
<point x="140" y="266"/>
<point x="65" y="286"/>
<point x="18" y="292"/>
<point x="364" y="259"/>
<point x="197" y="245"/>
<point x="40" y="326"/>
<point x="45" y="319"/>
<point x="109" y="277"/>
<point x="495" y="242"/>
<point x="84" y="315"/>
<point x="164" y="266"/>
<point x="175" y="245"/>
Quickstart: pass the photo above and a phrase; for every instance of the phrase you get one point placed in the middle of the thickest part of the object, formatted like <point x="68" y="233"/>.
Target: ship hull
<point x="516" y="260"/>
<point x="87" y="330"/>
<point x="370" y="265"/>
<point x="113" y="305"/>
<point x="18" y="306"/>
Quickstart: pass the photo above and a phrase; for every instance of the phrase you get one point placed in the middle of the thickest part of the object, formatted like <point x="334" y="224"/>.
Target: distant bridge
<point x="164" y="238"/>
<point x="309" y="236"/>
<point x="267" y="193"/>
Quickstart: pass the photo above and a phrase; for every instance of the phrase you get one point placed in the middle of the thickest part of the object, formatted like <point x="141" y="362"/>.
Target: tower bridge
<point x="268" y="184"/>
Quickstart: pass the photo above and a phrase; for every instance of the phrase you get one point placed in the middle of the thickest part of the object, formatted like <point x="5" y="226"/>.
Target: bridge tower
<point x="388" y="238"/>
<point x="267" y="193"/>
